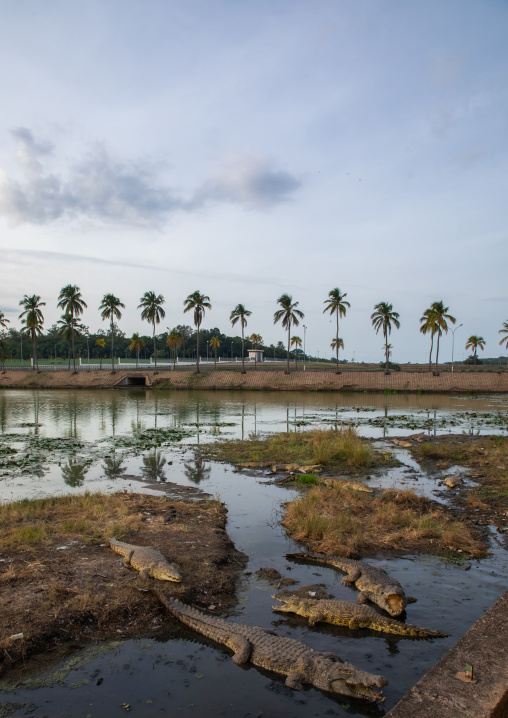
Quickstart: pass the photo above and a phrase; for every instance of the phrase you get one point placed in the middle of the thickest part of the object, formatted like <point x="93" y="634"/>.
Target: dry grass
<point x="334" y="449"/>
<point x="92" y="517"/>
<point x="341" y="521"/>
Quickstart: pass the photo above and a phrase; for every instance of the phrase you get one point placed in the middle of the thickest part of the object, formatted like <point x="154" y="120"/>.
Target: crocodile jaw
<point x="356" y="683"/>
<point x="165" y="573"/>
<point x="392" y="599"/>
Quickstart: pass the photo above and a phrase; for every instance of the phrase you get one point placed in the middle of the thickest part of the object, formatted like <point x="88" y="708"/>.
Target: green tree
<point x="474" y="342"/>
<point x="174" y="341"/>
<point x="3" y="354"/>
<point x="3" y="321"/>
<point x="101" y="343"/>
<point x="441" y="318"/>
<point x="382" y="318"/>
<point x="215" y="344"/>
<point x="336" y="304"/>
<point x="240" y="314"/>
<point x="110" y="307"/>
<point x="68" y="328"/>
<point x="151" y="304"/>
<point x="296" y="342"/>
<point x="256" y="340"/>
<point x="288" y="314"/>
<point x="136" y="345"/>
<point x="197" y="303"/>
<point x="73" y="304"/>
<point x="32" y="320"/>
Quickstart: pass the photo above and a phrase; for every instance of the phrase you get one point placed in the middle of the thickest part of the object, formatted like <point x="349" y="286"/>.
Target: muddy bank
<point x="62" y="584"/>
<point x="270" y="380"/>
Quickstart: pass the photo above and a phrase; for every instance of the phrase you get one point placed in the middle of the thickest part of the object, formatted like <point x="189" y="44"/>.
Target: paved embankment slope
<point x="440" y="693"/>
<point x="481" y="382"/>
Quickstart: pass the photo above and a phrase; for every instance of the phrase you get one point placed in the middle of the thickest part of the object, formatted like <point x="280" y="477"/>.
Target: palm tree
<point x="429" y="324"/>
<point x="297" y="343"/>
<point x="110" y="306"/>
<point x="3" y="321"/>
<point x="440" y="314"/>
<point x="68" y="328"/>
<point x="151" y="304"/>
<point x="504" y="331"/>
<point x="239" y="313"/>
<point x="32" y="319"/>
<point x="198" y="302"/>
<point x="73" y="304"/>
<point x="136" y="344"/>
<point x="337" y="343"/>
<point x="382" y="318"/>
<point x="101" y="343"/>
<point x="174" y="341"/>
<point x="256" y="340"/>
<point x="336" y="304"/>
<point x="289" y="314"/>
<point x="474" y="342"/>
<point x="215" y="344"/>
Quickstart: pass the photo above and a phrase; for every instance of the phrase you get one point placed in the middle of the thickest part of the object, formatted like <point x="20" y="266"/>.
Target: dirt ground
<point x="54" y="594"/>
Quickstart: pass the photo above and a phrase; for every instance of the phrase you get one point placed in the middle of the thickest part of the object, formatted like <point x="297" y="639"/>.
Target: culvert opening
<point x="132" y="381"/>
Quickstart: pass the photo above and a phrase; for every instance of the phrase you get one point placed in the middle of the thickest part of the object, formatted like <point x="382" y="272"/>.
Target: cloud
<point x="253" y="183"/>
<point x="105" y="188"/>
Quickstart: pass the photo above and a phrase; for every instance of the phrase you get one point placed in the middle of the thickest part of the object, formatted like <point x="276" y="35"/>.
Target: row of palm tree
<point x="434" y="321"/>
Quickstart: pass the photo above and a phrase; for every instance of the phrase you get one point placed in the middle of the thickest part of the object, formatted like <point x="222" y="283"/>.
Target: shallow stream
<point x="98" y="437"/>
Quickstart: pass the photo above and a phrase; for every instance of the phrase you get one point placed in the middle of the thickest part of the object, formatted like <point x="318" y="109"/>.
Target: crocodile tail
<point x="407" y="629"/>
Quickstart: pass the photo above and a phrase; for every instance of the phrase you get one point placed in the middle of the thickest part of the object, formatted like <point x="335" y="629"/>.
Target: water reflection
<point x="113" y="465"/>
<point x="153" y="466"/>
<point x="74" y="473"/>
<point x="197" y="471"/>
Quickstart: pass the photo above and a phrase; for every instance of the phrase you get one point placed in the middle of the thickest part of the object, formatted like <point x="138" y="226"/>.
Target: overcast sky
<point x="247" y="149"/>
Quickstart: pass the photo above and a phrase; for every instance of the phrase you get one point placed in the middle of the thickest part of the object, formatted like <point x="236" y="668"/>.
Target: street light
<point x="207" y="341"/>
<point x="453" y="339"/>
<point x="304" y="332"/>
<point x="231" y="351"/>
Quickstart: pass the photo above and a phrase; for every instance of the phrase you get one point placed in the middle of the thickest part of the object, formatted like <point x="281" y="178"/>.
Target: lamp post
<point x="453" y="339"/>
<point x="231" y="351"/>
<point x="304" y="332"/>
<point x="207" y="342"/>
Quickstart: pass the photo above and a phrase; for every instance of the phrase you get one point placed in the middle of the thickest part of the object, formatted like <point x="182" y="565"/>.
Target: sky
<point x="250" y="149"/>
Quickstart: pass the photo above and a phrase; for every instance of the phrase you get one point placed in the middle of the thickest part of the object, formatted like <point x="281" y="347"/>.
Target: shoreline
<point x="209" y="379"/>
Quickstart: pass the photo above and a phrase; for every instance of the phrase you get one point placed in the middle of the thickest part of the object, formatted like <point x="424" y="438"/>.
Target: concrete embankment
<point x="481" y="382"/>
<point x="442" y="691"/>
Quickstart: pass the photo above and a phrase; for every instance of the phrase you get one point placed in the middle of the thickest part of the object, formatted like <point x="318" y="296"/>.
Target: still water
<point x="66" y="441"/>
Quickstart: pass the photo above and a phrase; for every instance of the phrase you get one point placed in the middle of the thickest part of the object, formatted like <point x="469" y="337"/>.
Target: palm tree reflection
<point x="74" y="473"/>
<point x="197" y="471"/>
<point x="153" y="466"/>
<point x="113" y="466"/>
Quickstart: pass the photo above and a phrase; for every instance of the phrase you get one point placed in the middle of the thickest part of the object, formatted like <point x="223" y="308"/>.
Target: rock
<point x="452" y="481"/>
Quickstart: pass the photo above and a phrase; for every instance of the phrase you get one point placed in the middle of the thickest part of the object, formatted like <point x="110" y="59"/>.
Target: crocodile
<point x="301" y="665"/>
<point x="147" y="560"/>
<point x="374" y="583"/>
<point x="352" y="615"/>
<point x="332" y="483"/>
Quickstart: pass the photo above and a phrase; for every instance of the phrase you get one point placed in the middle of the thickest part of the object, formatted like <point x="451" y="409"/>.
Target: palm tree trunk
<point x="386" y="349"/>
<point x="197" y="352"/>
<point x="431" y="347"/>
<point x="154" y="347"/>
<point x="34" y="354"/>
<point x="337" y="344"/>
<point x="437" y="350"/>
<point x="243" y="353"/>
<point x="215" y="367"/>
<point x="72" y="342"/>
<point x="137" y="357"/>
<point x="289" y="342"/>
<point x="112" y="346"/>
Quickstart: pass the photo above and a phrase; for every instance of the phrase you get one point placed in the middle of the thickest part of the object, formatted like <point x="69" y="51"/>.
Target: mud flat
<point x="445" y="690"/>
<point x="61" y="584"/>
<point x="261" y="380"/>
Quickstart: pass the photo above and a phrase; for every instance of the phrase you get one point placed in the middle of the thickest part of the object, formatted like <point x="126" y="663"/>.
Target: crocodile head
<point x="165" y="572"/>
<point x="392" y="599"/>
<point x="293" y="604"/>
<point x="347" y="680"/>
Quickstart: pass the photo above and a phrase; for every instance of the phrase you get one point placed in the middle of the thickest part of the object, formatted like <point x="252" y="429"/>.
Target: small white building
<point x="255" y="355"/>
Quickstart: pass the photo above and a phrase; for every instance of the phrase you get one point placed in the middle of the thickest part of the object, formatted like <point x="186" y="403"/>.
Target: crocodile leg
<point x="352" y="576"/>
<point x="242" y="648"/>
<point x="317" y="618"/>
<point x="295" y="681"/>
<point x="127" y="559"/>
<point x="365" y="597"/>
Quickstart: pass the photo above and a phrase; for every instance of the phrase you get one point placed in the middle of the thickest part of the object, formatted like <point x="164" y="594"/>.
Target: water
<point x="179" y="672"/>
